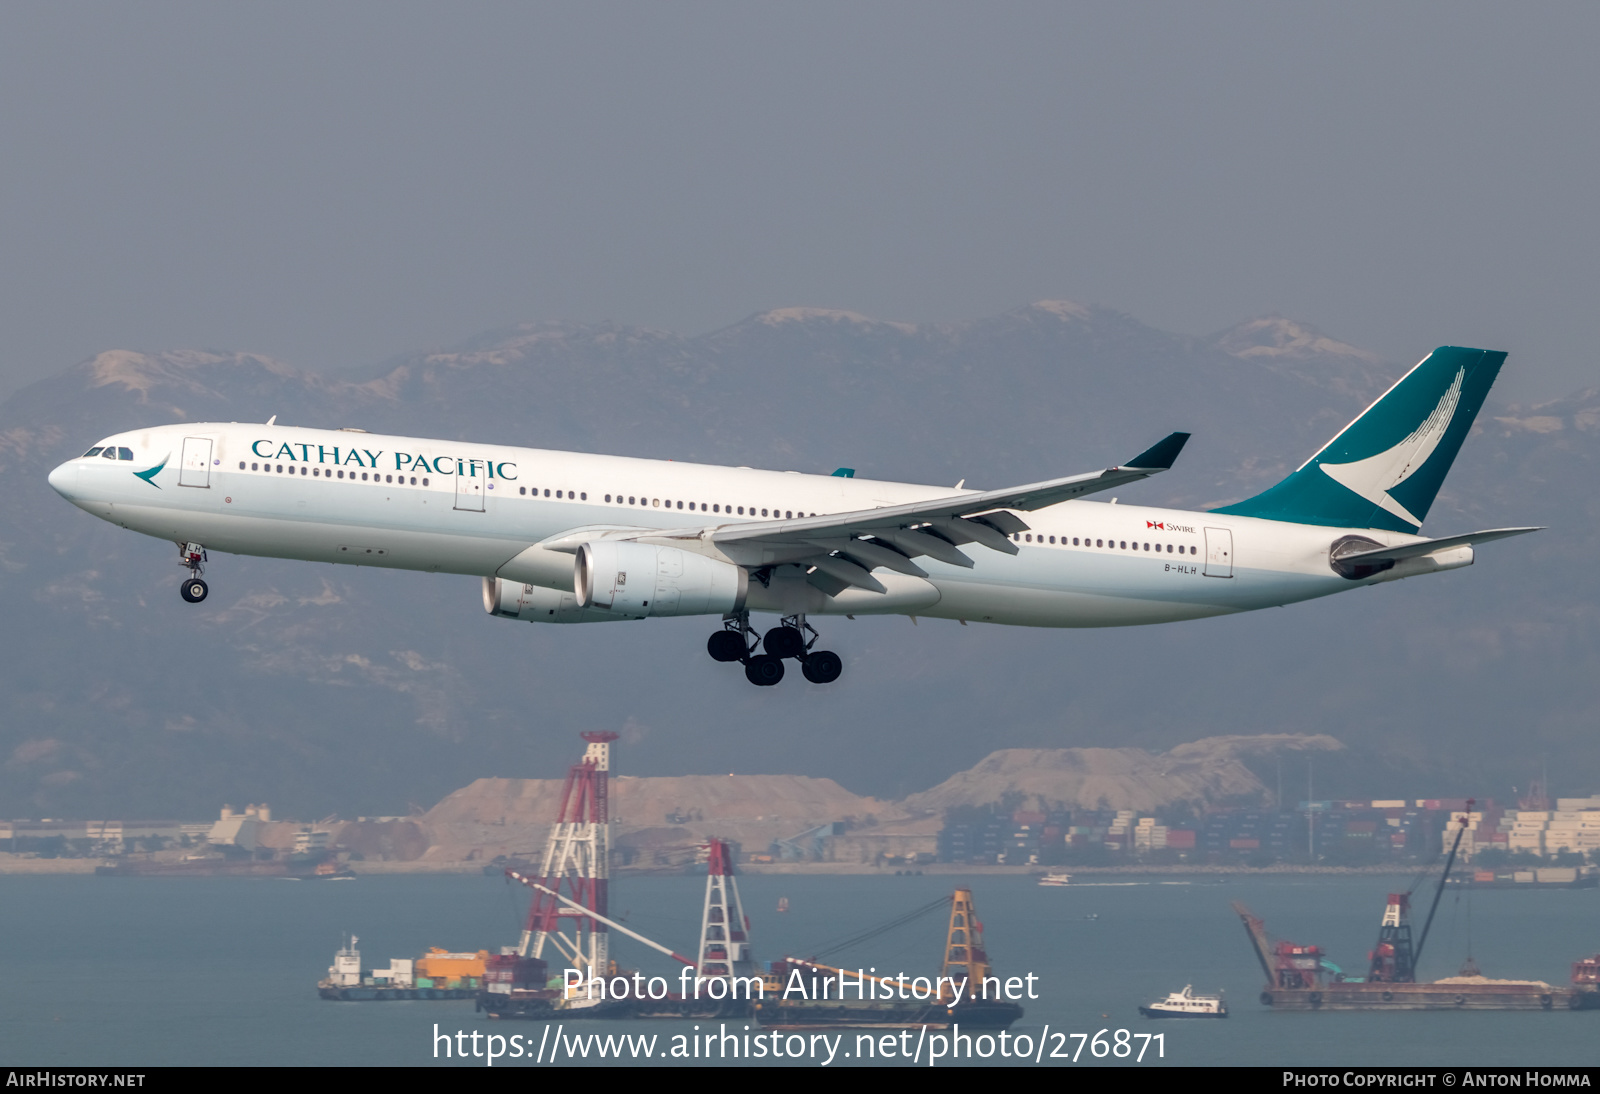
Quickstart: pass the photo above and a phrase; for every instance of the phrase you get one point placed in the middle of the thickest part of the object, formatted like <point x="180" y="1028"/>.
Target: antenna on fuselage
<point x="273" y="419"/>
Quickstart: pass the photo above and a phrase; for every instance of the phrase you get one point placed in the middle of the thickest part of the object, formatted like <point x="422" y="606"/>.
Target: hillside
<point x="1201" y="773"/>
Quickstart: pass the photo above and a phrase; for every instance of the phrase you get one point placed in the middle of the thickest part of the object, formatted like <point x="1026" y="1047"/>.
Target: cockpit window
<point x="109" y="454"/>
<point x="124" y="453"/>
<point x="95" y="451"/>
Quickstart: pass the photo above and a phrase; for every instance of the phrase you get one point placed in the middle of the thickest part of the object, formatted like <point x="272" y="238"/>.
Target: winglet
<point x="844" y="473"/>
<point x="1161" y="455"/>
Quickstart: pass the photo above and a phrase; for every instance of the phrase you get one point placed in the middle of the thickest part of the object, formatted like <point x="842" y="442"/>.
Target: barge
<point x="1301" y="977"/>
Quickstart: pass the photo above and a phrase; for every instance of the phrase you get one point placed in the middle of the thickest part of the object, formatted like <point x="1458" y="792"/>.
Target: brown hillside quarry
<point x="513" y="816"/>
<point x="659" y="819"/>
<point x="1206" y="772"/>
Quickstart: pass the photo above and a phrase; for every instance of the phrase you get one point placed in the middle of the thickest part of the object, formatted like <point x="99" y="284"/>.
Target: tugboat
<point x="1185" y="1004"/>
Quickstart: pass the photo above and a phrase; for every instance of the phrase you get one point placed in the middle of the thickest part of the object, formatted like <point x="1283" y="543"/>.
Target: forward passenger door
<point x="194" y="468"/>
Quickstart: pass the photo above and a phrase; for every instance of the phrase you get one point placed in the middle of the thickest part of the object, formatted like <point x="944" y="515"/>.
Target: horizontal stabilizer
<point x="1429" y="546"/>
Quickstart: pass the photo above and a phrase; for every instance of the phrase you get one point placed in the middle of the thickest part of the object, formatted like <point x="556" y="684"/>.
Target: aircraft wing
<point x="846" y="546"/>
<point x="1429" y="546"/>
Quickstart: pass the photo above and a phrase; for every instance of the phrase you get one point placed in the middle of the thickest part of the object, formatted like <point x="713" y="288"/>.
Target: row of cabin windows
<point x="570" y="495"/>
<point x="716" y="507"/>
<point x="1114" y="544"/>
<point x="654" y="503"/>
<point x="328" y="473"/>
<point x="658" y="503"/>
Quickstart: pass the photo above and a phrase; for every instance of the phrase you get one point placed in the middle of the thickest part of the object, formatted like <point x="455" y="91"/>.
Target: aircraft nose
<point x="64" y="478"/>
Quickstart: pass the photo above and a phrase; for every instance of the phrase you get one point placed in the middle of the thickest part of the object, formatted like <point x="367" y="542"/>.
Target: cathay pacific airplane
<point x="565" y="537"/>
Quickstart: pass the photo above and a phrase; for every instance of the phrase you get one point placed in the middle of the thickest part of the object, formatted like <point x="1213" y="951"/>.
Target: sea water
<point x="134" y="972"/>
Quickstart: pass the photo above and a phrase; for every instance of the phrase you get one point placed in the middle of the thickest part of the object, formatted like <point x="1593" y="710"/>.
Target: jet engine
<point x="536" y="604"/>
<point x="635" y="580"/>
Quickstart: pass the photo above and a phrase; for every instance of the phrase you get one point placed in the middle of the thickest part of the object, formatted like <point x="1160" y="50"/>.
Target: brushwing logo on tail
<point x="1373" y="477"/>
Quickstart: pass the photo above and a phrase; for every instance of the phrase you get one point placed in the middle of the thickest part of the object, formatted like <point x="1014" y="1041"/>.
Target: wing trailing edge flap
<point x="843" y="569"/>
<point x="1429" y="546"/>
<point x="914" y="543"/>
<point x="870" y="553"/>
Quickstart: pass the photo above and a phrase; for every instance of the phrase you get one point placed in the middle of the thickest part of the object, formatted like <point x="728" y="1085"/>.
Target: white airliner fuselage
<point x="572" y="537"/>
<point x="333" y="496"/>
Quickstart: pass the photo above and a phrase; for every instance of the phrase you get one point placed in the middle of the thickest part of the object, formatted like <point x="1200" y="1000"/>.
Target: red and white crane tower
<point x="577" y="868"/>
<point x="724" y="949"/>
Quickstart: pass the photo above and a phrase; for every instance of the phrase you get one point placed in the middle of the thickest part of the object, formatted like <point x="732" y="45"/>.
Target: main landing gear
<point x="738" y="641"/>
<point x="193" y="557"/>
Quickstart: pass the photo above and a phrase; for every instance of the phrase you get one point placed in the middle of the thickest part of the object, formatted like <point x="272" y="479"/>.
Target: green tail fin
<point x="1385" y="468"/>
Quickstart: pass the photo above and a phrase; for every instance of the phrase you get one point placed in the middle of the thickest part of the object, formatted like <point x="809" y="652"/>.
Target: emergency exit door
<point x="469" y="486"/>
<point x="1219" y="552"/>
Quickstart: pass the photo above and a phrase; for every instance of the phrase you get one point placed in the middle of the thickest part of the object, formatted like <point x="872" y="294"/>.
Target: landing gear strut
<point x="792" y="637"/>
<point x="193" y="557"/>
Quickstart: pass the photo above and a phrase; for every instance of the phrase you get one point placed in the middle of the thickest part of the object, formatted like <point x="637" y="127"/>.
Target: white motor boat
<point x="1186" y="1004"/>
<point x="1056" y="878"/>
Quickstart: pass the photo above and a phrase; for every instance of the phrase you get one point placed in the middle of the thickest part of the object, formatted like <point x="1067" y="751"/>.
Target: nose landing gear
<point x="738" y="641"/>
<point x="193" y="557"/>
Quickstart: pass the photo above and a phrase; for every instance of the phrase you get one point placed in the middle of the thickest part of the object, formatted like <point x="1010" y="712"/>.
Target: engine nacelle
<point x="635" y="580"/>
<point x="536" y="604"/>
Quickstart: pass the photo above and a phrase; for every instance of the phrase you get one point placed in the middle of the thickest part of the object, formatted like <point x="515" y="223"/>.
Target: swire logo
<point x="1155" y="524"/>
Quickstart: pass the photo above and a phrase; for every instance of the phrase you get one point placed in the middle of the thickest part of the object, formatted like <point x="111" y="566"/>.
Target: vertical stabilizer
<point x="1385" y="468"/>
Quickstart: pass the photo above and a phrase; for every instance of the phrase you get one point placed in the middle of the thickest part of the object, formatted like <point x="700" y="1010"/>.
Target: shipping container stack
<point x="1237" y="834"/>
<point x="1027" y="830"/>
<point x="1574" y="825"/>
<point x="982" y="841"/>
<point x="1341" y="831"/>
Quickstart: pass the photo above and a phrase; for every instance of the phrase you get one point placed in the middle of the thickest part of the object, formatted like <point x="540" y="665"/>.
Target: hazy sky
<point x="336" y="183"/>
